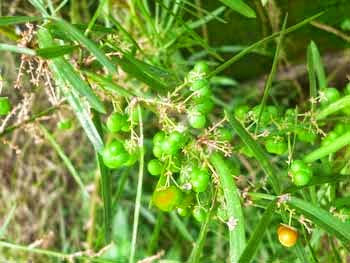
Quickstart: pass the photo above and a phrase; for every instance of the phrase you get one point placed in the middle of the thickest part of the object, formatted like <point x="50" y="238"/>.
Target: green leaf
<point x="323" y="218"/>
<point x="311" y="73"/>
<point x="198" y="246"/>
<point x="14" y="20"/>
<point x="233" y="206"/>
<point x="17" y="49"/>
<point x="272" y="74"/>
<point x="6" y="221"/>
<point x="258" y="234"/>
<point x="67" y="162"/>
<point x="240" y="7"/>
<point x="76" y="35"/>
<point x="258" y="152"/>
<point x="323" y="151"/>
<point x="55" y="51"/>
<point x="334" y="107"/>
<point x="318" y="65"/>
<point x="78" y="106"/>
<point x="108" y="84"/>
<point x="141" y="72"/>
<point x="70" y="76"/>
<point x="181" y="227"/>
<point x="106" y="184"/>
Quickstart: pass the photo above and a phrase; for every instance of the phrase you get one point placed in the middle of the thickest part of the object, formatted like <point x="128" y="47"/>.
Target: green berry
<point x="157" y="151"/>
<point x="158" y="137"/>
<point x="330" y="95"/>
<point x="202" y="94"/>
<point x="204" y="107"/>
<point x="5" y="106"/>
<point x="199" y="179"/>
<point x="115" y="122"/>
<point x="155" y="167"/>
<point x="241" y="112"/>
<point x="199" y="84"/>
<point x="201" y="67"/>
<point x="300" y="172"/>
<point x="183" y="211"/>
<point x="167" y="199"/>
<point x="114" y="155"/>
<point x="133" y="157"/>
<point x="197" y="120"/>
<point x="276" y="145"/>
<point x="199" y="214"/>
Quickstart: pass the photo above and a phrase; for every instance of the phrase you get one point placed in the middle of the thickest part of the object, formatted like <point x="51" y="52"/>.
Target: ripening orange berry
<point x="287" y="235"/>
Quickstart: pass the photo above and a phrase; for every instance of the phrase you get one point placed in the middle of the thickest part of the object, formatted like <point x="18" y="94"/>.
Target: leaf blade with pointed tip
<point x="55" y="51"/>
<point x="76" y="35"/>
<point x="240" y="7"/>
<point x="258" y="234"/>
<point x="258" y="152"/>
<point x="14" y="20"/>
<point x="323" y="218"/>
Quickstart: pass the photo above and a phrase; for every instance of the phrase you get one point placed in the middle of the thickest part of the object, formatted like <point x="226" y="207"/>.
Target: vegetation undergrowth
<point x="126" y="139"/>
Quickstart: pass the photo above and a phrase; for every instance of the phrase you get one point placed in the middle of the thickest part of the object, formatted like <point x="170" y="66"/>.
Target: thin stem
<point x="50" y="253"/>
<point x="259" y="43"/>
<point x="30" y="120"/>
<point x="336" y="145"/>
<point x="139" y="189"/>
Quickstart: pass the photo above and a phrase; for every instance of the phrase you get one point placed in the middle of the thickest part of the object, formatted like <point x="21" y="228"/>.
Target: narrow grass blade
<point x="106" y="184"/>
<point x="258" y="234"/>
<point x="240" y="7"/>
<point x="312" y="75"/>
<point x="49" y="253"/>
<point x="70" y="76"/>
<point x="233" y="206"/>
<point x="39" y="5"/>
<point x="181" y="227"/>
<point x="318" y="65"/>
<point x="7" y="221"/>
<point x="116" y="23"/>
<point x="76" y="35"/>
<point x="139" y="188"/>
<point x="67" y="162"/>
<point x="323" y="218"/>
<point x="323" y="151"/>
<point x="132" y="67"/>
<point x="95" y="16"/>
<point x="250" y="48"/>
<point x="198" y="246"/>
<point x="334" y="107"/>
<point x="78" y="106"/>
<point x="55" y="51"/>
<point x="17" y="49"/>
<point x="108" y="84"/>
<point x="258" y="152"/>
<point x="210" y="16"/>
<point x="272" y="72"/>
<point x="14" y="20"/>
<point x="73" y="79"/>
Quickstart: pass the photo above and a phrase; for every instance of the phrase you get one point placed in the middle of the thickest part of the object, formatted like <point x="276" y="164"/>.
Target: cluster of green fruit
<point x="275" y="129"/>
<point x="115" y="153"/>
<point x="202" y="103"/>
<point x="184" y="177"/>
